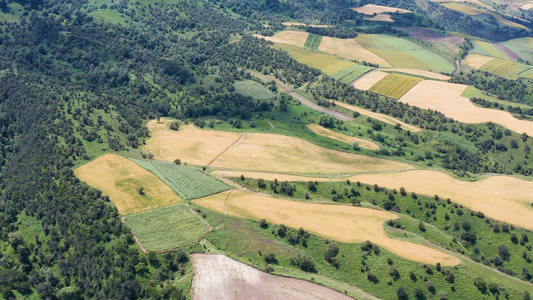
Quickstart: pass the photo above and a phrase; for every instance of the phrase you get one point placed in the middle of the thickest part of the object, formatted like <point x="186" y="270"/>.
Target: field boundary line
<point x="227" y="148"/>
<point x="134" y="236"/>
<point x="226" y="202"/>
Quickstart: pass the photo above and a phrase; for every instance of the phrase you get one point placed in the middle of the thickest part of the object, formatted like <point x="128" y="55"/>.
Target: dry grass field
<point x="446" y="98"/>
<point x="366" y="81"/>
<point x="120" y="179"/>
<point x="219" y="277"/>
<point x="350" y="49"/>
<point x="427" y="74"/>
<point x="380" y="117"/>
<point x="342" y="223"/>
<point x="342" y="137"/>
<point x="503" y="198"/>
<point x="370" y="9"/>
<point x="395" y="85"/>
<point x="257" y="152"/>
<point x="381" y="18"/>
<point x="295" y="38"/>
<point x="476" y="60"/>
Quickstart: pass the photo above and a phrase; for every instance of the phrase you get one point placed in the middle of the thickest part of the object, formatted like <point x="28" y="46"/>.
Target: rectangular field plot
<point x="351" y="73"/>
<point x="326" y="63"/>
<point x="189" y="183"/>
<point x="507" y="69"/>
<point x="253" y="89"/>
<point x="402" y="53"/>
<point x="395" y="85"/>
<point x="313" y="41"/>
<point x="488" y="49"/>
<point x="167" y="227"/>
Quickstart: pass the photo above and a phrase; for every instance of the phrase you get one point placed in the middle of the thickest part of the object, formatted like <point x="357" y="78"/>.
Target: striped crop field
<point x="507" y="69"/>
<point x="522" y="47"/>
<point x="395" y="85"/>
<point x="488" y="49"/>
<point x="347" y="75"/>
<point x="313" y="41"/>
<point x="468" y="10"/>
<point x="402" y="53"/>
<point x="326" y="63"/>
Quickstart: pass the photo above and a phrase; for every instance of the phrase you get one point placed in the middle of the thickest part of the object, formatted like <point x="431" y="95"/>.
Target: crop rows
<point x="313" y="41"/>
<point x="507" y="69"/>
<point x="395" y="85"/>
<point x="349" y="70"/>
<point x="189" y="183"/>
<point x="354" y="75"/>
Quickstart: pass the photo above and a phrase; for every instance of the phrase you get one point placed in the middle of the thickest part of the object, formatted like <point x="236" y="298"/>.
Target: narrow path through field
<point x="227" y="148"/>
<point x="271" y="125"/>
<point x="226" y="202"/>
<point x="312" y="105"/>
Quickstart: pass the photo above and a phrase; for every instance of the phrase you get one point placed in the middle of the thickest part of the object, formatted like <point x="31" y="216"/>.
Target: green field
<point x="313" y="41"/>
<point x="253" y="89"/>
<point x="402" y="53"/>
<point x="487" y="49"/>
<point x="523" y="47"/>
<point x="351" y="73"/>
<point x="395" y="85"/>
<point x="167" y="227"/>
<point x="189" y="183"/>
<point x="508" y="69"/>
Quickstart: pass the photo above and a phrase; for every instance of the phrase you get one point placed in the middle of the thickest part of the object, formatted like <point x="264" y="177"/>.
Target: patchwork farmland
<point x="395" y="85"/>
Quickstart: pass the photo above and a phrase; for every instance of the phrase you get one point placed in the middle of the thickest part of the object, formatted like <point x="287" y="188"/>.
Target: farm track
<point x="226" y="202"/>
<point x="227" y="148"/>
<point x="312" y="105"/>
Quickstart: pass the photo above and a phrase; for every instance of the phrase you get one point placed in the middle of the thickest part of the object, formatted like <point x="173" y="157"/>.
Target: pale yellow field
<point x="503" y="198"/>
<point x="446" y="98"/>
<point x="303" y="24"/>
<point x="342" y="223"/>
<point x="366" y="81"/>
<point x="476" y="60"/>
<point x="257" y="152"/>
<point x="120" y="179"/>
<point x="342" y="137"/>
<point x="370" y="9"/>
<point x="191" y="145"/>
<point x="381" y="18"/>
<point x="422" y="73"/>
<point x="527" y="6"/>
<point x="476" y="2"/>
<point x="295" y="38"/>
<point x="380" y="117"/>
<point x="468" y="10"/>
<point x="350" y="49"/>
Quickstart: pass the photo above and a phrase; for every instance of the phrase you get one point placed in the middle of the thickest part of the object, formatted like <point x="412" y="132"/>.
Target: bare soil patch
<point x="219" y="277"/>
<point x="342" y="137"/>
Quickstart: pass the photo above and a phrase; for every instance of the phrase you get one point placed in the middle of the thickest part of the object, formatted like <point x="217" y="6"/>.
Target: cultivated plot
<point x="348" y="75"/>
<point x="476" y="60"/>
<point x="493" y="49"/>
<point x="422" y="73"/>
<point x="366" y="81"/>
<point x="507" y="69"/>
<point x="395" y="85"/>
<point x="295" y="38"/>
<point x="342" y="223"/>
<point x="130" y="187"/>
<point x="371" y="9"/>
<point x="254" y="89"/>
<point x="342" y="137"/>
<point x="468" y="10"/>
<point x="503" y="198"/>
<point x="350" y="49"/>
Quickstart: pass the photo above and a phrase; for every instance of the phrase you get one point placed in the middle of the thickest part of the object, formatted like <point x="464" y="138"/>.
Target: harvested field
<point x="167" y="227"/>
<point x="342" y="223"/>
<point x="527" y="6"/>
<point x="370" y="9"/>
<point x="402" y="53"/>
<point x="381" y="18"/>
<point x="219" y="277"/>
<point x="395" y="85"/>
<point x="503" y="198"/>
<point x="422" y="73"/>
<point x="313" y="41"/>
<point x="368" y="80"/>
<point x="295" y="38"/>
<point x="303" y="24"/>
<point x="254" y="89"/>
<point x="258" y="152"/>
<point x="326" y="63"/>
<point x="468" y="10"/>
<point x="350" y="49"/>
<point x="342" y="137"/>
<point x="120" y="179"/>
<point x="476" y="61"/>
<point x="446" y="98"/>
<point x="380" y="117"/>
<point x="191" y="145"/>
<point x="348" y="75"/>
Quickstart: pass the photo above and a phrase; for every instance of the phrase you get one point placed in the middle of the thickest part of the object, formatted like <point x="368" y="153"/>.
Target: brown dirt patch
<point x="342" y="223"/>
<point x="366" y="81"/>
<point x="120" y="179"/>
<point x="446" y="98"/>
<point x="350" y="49"/>
<point x="370" y="9"/>
<point x="342" y="137"/>
<point x="380" y="117"/>
<point x="220" y="277"/>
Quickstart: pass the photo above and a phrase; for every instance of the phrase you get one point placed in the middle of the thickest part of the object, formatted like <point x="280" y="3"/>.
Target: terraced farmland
<point x="167" y="227"/>
<point x="313" y="41"/>
<point x="347" y="75"/>
<point x="402" y="53"/>
<point x="395" y="85"/>
<point x="188" y="182"/>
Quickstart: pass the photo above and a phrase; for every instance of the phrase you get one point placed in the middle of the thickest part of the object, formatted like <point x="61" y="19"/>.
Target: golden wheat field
<point x="476" y="60"/>
<point x="120" y="179"/>
<point x="295" y="38"/>
<point x="339" y="222"/>
<point x="350" y="49"/>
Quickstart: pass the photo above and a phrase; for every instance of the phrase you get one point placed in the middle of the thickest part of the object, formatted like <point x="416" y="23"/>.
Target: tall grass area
<point x="187" y="182"/>
<point x="166" y="227"/>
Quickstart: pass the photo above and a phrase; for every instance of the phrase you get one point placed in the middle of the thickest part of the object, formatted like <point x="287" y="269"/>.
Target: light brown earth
<point x="380" y="117"/>
<point x="342" y="223"/>
<point x="527" y="6"/>
<point x="446" y="98"/>
<point x="476" y="60"/>
<point x="503" y="198"/>
<point x="367" y="80"/>
<point x="120" y="179"/>
<point x="381" y="18"/>
<point x="219" y="277"/>
<point x="295" y="38"/>
<point x="422" y="73"/>
<point x="256" y="152"/>
<point x="350" y="49"/>
<point x="342" y="137"/>
<point x="370" y="9"/>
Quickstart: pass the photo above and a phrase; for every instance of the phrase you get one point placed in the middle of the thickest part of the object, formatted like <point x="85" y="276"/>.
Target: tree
<point x="141" y="191"/>
<point x="479" y="282"/>
<point x="401" y="293"/>
<point x="177" y="161"/>
<point x="261" y="183"/>
<point x="263" y="223"/>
